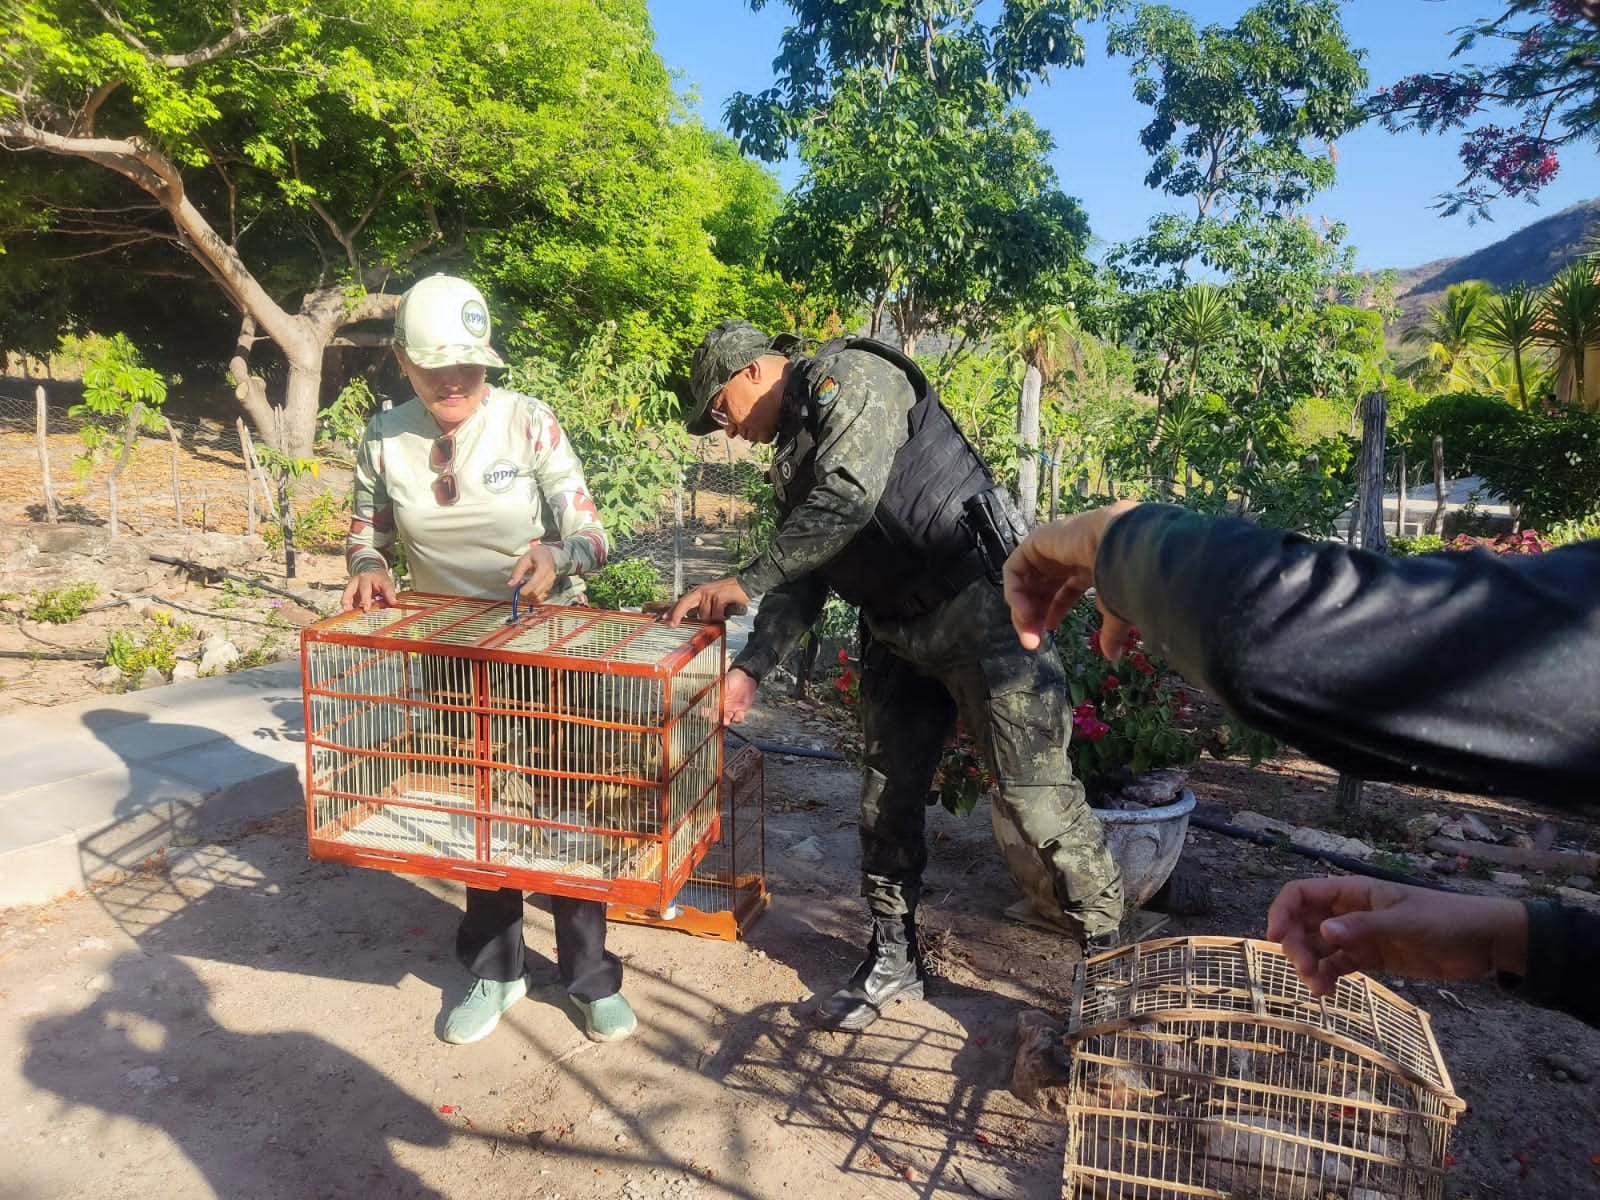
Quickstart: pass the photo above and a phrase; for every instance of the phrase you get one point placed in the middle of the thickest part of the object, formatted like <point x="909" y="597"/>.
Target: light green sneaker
<point x="608" y="1019"/>
<point x="477" y="1015"/>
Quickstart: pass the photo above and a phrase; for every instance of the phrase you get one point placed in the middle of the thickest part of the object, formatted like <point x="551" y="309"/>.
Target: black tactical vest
<point x="915" y="553"/>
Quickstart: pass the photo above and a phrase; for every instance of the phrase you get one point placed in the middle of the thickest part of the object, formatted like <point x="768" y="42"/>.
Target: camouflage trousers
<point x="964" y="660"/>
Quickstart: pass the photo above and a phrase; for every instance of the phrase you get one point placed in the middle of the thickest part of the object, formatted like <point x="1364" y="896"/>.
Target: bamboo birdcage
<point x="563" y="750"/>
<point x="727" y="890"/>
<point x="1203" y="1067"/>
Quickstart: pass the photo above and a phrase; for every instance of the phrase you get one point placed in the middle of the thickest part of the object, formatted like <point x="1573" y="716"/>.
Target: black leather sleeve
<point x="1467" y="671"/>
<point x="1563" y="960"/>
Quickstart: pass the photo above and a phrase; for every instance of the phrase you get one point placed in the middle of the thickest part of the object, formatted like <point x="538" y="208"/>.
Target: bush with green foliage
<point x="624" y="423"/>
<point x="57" y="606"/>
<point x="1423" y="543"/>
<point x="157" y="648"/>
<point x="626" y="583"/>
<point x="1473" y="431"/>
<point x="1549" y="467"/>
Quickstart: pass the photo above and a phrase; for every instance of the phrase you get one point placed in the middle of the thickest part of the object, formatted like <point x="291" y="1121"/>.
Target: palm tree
<point x="1453" y="330"/>
<point x="1570" y="322"/>
<point x="1202" y="317"/>
<point x="1511" y="323"/>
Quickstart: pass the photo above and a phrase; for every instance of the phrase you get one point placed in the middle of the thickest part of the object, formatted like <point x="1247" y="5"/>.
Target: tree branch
<point x="179" y="62"/>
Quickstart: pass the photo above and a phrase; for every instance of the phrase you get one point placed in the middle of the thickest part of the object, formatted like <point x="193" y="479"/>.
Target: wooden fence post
<point x="41" y="426"/>
<point x="1028" y="437"/>
<point x="177" y="496"/>
<point x="1436" y="521"/>
<point x="1400" y="496"/>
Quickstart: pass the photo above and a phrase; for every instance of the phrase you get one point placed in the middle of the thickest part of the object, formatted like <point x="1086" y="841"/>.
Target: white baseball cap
<point x="443" y="321"/>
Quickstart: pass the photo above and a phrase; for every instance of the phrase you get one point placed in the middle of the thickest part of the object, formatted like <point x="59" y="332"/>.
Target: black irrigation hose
<point x="779" y="748"/>
<point x="1343" y="861"/>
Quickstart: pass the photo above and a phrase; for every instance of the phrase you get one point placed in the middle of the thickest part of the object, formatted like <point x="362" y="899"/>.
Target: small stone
<point x="1582" y="883"/>
<point x="1520" y="841"/>
<point x="106" y="677"/>
<point x="1562" y="1064"/>
<point x="185" y="670"/>
<point x="1257" y="823"/>
<point x="1476" y="830"/>
<point x="1507" y="879"/>
<point x="152" y="678"/>
<point x="808" y="850"/>
<point x="1421" y="828"/>
<point x="1330" y="843"/>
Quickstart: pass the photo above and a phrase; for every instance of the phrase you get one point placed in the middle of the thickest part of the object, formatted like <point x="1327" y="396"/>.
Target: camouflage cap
<point x="442" y="321"/>
<point x="728" y="349"/>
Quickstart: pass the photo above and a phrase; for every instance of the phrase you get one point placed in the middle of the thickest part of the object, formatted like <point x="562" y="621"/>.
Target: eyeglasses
<point x="442" y="459"/>
<point x="718" y="414"/>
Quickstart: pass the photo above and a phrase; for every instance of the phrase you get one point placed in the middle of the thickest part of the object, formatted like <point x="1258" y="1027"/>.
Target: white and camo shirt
<point x="519" y="482"/>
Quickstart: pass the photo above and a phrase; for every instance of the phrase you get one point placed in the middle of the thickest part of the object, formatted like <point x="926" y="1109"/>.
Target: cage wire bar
<point x="1203" y="1067"/>
<point x="727" y="891"/>
<point x="570" y="751"/>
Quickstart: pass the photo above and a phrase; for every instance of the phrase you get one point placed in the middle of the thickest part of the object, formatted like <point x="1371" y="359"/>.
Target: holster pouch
<point x="989" y="517"/>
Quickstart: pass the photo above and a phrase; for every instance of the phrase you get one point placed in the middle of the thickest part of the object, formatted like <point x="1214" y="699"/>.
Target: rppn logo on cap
<point x="475" y="319"/>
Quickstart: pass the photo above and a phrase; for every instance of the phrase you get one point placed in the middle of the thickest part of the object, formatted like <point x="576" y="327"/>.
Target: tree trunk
<point x="129" y="432"/>
<point x="1028" y="436"/>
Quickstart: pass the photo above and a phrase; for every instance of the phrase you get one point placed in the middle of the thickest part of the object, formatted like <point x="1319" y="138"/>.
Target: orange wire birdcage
<point x="562" y="750"/>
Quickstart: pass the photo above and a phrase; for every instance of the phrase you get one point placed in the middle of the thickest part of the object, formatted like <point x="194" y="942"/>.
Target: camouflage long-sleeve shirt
<point x="519" y="482"/>
<point x="862" y="402"/>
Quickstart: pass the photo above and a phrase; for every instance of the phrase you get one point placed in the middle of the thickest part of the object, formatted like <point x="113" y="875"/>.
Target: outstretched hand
<point x="1051" y="568"/>
<point x="1330" y="927"/>
<point x="710" y="602"/>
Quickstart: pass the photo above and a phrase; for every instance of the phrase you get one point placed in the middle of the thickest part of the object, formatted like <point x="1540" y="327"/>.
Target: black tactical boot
<point x="891" y="971"/>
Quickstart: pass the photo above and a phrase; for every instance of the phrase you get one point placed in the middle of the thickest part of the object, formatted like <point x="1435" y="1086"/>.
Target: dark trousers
<point x="489" y="942"/>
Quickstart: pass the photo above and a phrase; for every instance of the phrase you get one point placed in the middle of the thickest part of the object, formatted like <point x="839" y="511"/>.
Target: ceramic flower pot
<point x="1145" y="843"/>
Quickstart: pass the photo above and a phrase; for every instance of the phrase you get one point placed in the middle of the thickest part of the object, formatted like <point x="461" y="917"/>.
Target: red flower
<point x="1109" y="684"/>
<point x="844" y="656"/>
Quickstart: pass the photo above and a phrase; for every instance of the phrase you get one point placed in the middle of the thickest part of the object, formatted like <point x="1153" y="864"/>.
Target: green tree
<point x="1545" y="70"/>
<point x="302" y="163"/>
<point x="926" y="196"/>
<point x="1511" y="323"/>
<point x="1453" y="333"/>
<point x="1235" y="113"/>
<point x="1570" y="324"/>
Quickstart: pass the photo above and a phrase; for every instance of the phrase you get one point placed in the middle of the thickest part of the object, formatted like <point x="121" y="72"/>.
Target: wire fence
<point x="196" y="475"/>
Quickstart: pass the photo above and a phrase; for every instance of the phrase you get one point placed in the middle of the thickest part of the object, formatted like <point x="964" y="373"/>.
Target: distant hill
<point x="1531" y="255"/>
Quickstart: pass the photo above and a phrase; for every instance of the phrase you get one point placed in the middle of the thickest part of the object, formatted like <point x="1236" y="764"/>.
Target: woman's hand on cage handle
<point x="534" y="577"/>
<point x="366" y="588"/>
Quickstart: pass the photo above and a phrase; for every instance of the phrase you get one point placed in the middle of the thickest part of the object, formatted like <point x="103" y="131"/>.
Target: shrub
<point x="158" y="647"/>
<point x="628" y="583"/>
<point x="1423" y="543"/>
<point x="57" y="606"/>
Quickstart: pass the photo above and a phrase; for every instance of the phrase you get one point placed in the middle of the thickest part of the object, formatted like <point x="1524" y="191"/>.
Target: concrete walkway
<point x="91" y="789"/>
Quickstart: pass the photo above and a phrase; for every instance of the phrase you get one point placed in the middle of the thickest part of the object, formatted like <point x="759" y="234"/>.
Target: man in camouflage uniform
<point x="872" y="477"/>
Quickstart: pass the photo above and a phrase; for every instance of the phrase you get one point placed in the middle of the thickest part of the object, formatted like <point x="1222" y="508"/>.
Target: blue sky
<point x="1386" y="181"/>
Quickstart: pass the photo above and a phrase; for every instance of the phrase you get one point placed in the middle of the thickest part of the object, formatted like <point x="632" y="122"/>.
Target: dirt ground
<point x="247" y="1023"/>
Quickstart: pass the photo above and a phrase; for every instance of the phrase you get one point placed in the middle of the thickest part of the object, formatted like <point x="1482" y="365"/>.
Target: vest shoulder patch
<point x="827" y="390"/>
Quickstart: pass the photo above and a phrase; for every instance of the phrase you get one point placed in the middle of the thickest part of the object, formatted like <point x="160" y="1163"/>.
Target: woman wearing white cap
<point x="483" y="488"/>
